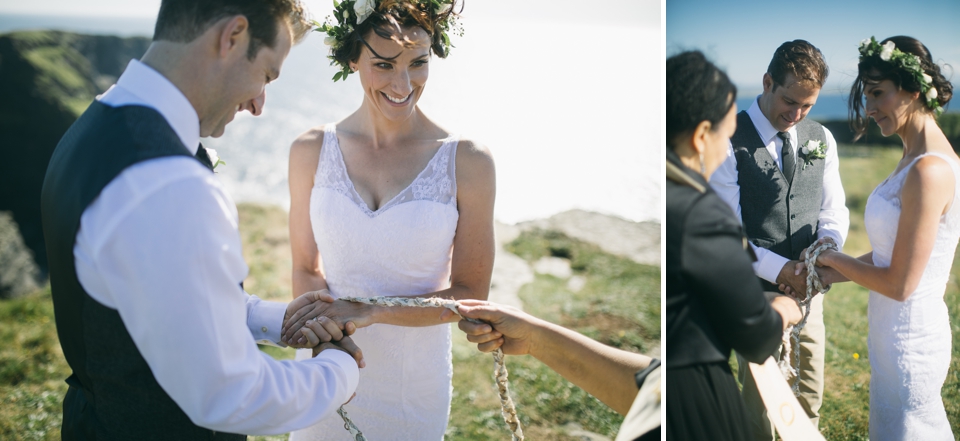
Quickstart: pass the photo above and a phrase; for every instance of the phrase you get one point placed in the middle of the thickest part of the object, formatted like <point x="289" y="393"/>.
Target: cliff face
<point x="47" y="79"/>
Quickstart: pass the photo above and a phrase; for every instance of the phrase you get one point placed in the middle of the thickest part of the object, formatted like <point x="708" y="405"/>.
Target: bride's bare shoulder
<point x="305" y="151"/>
<point x="308" y="144"/>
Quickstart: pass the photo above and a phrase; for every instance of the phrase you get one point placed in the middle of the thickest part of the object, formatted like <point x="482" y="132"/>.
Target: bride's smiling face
<point x="393" y="74"/>
<point x="888" y="105"/>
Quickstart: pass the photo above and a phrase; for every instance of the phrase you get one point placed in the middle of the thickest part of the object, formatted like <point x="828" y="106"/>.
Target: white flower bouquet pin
<point x="813" y="149"/>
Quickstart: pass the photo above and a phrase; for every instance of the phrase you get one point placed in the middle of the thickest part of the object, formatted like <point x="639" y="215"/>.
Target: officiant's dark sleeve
<point x="714" y="300"/>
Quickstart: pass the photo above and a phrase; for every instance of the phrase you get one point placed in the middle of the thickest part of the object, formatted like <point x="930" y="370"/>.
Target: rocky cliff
<point x="47" y="79"/>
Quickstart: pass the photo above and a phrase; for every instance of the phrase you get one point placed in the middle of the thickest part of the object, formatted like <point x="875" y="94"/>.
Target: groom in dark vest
<point x="787" y="196"/>
<point x="144" y="251"/>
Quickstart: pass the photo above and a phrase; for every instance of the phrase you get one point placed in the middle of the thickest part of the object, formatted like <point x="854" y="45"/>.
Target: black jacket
<point x="714" y="300"/>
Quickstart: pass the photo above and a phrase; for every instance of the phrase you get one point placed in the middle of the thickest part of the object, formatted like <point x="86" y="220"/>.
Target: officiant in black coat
<point x="714" y="302"/>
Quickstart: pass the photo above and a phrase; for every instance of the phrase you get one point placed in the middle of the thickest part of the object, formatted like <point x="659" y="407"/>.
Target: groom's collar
<point x="766" y="130"/>
<point x="140" y="85"/>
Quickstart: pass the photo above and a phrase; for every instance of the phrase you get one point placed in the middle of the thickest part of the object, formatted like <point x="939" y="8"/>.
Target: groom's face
<point x="243" y="87"/>
<point x="787" y="104"/>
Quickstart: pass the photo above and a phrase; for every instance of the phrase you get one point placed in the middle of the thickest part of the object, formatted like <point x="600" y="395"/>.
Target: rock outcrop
<point x="47" y="79"/>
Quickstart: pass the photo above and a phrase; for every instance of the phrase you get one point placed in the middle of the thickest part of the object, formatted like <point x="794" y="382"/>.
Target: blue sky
<point x="741" y="36"/>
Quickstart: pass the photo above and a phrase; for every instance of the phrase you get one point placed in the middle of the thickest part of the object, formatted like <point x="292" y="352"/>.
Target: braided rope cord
<point x="507" y="407"/>
<point x="791" y="335"/>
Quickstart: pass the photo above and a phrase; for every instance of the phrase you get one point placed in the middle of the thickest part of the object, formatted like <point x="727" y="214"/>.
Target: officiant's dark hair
<point x="182" y="21"/>
<point x="873" y="70"/>
<point x="697" y="91"/>
<point x="800" y="58"/>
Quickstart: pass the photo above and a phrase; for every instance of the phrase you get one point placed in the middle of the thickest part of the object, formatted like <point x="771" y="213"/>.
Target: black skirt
<point x="704" y="403"/>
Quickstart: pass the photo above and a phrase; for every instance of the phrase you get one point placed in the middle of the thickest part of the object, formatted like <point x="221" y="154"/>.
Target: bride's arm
<point x="921" y="206"/>
<point x="473" y="250"/>
<point x="307" y="269"/>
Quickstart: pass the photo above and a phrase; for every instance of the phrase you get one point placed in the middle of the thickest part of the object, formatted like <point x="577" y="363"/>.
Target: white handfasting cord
<point x="507" y="408"/>
<point x="791" y="335"/>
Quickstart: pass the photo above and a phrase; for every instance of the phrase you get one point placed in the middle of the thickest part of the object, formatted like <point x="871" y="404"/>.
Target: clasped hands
<point x="792" y="279"/>
<point x="316" y="320"/>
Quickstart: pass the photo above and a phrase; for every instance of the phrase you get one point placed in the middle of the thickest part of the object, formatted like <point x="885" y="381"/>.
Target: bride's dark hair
<point x="873" y="69"/>
<point x="389" y="17"/>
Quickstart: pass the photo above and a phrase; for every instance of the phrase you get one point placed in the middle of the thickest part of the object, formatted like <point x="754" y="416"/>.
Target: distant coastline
<point x="118" y="26"/>
<point x="832" y="107"/>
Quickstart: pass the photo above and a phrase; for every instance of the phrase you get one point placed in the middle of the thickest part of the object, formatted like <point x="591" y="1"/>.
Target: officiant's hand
<point x="506" y="327"/>
<point x="788" y="278"/>
<point x="345" y="344"/>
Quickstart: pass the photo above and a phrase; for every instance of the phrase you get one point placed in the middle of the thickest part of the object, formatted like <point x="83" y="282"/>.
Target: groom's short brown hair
<point x="800" y="58"/>
<point x="183" y="21"/>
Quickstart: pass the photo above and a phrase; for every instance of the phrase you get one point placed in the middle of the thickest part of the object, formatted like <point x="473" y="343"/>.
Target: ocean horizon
<point x="568" y="122"/>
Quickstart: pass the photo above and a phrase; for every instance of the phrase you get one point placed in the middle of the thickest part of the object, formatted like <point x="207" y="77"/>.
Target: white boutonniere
<point x="813" y="149"/>
<point x="214" y="158"/>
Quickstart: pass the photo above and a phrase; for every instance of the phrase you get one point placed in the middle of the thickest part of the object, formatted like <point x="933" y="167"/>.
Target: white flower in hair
<point x="927" y="79"/>
<point x="329" y="40"/>
<point x="932" y="94"/>
<point x="364" y="8"/>
<point x="887" y="51"/>
<point x="864" y="42"/>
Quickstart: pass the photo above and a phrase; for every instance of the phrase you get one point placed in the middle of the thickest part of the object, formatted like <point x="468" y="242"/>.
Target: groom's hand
<point x="296" y="309"/>
<point x="789" y="278"/>
<point x="348" y="316"/>
<point x="345" y="344"/>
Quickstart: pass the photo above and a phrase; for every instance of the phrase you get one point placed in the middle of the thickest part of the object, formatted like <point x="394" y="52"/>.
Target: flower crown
<point x="909" y="62"/>
<point x="349" y="14"/>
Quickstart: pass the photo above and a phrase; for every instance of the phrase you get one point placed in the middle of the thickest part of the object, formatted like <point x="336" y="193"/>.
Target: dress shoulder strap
<point x="331" y="172"/>
<point x="451" y="143"/>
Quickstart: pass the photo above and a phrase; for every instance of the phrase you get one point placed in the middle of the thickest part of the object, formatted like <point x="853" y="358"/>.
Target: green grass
<point x="32" y="369"/>
<point x="619" y="305"/>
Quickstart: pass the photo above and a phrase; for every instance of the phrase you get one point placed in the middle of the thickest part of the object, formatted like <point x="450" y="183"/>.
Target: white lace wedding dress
<point x="909" y="342"/>
<point x="402" y="249"/>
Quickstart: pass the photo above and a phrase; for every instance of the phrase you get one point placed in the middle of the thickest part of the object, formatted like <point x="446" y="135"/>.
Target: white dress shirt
<point x="834" y="217"/>
<point x="160" y="245"/>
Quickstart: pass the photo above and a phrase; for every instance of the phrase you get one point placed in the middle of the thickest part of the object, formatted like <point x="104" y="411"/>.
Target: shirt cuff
<point x="769" y="266"/>
<point x="265" y="320"/>
<point x="346" y="363"/>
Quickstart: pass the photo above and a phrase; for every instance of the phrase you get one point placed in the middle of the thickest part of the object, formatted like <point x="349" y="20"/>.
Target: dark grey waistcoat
<point x="777" y="215"/>
<point x="113" y="394"/>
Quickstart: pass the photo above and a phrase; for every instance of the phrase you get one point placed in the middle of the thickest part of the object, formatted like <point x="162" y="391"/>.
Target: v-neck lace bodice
<point x="436" y="182"/>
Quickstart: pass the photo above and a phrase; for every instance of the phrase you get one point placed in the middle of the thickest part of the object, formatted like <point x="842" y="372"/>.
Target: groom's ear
<point x="767" y="83"/>
<point x="234" y="36"/>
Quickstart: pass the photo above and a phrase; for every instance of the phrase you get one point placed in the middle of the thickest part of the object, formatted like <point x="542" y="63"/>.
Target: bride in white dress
<point x="387" y="203"/>
<point x="913" y="222"/>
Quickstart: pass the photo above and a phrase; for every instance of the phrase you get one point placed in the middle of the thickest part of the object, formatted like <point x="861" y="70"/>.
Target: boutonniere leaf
<point x="215" y="158"/>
